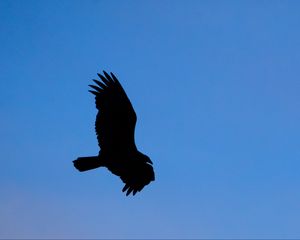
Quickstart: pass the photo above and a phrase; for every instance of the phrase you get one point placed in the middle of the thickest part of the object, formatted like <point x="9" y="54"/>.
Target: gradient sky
<point x="215" y="85"/>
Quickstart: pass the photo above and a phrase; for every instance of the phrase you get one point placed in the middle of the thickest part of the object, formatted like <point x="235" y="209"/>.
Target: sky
<point x="215" y="85"/>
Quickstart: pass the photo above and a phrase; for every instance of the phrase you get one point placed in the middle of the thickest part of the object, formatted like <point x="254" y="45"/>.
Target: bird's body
<point x="115" y="125"/>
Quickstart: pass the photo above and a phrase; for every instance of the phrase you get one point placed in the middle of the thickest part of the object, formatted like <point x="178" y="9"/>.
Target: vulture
<point x="115" y="125"/>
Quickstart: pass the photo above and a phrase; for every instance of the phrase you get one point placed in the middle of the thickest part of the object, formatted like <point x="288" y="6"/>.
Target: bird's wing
<point x="116" y="119"/>
<point x="137" y="178"/>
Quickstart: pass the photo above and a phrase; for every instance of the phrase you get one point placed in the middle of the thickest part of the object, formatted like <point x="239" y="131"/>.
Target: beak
<point x="149" y="161"/>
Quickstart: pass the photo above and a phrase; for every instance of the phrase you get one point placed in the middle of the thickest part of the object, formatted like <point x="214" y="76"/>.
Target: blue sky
<point x="215" y="85"/>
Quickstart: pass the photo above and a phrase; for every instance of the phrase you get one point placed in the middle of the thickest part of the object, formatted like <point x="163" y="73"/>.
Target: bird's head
<point x="144" y="158"/>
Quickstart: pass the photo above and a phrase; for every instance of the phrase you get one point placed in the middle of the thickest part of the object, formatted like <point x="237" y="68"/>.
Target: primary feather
<point x="115" y="125"/>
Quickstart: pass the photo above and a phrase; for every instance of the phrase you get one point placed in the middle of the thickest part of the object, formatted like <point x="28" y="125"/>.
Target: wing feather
<point x="96" y="88"/>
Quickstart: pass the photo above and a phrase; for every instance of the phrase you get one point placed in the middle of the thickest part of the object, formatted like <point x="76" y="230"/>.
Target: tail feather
<point x="86" y="163"/>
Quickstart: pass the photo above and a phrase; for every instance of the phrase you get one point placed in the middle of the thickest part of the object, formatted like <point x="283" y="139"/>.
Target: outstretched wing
<point x="116" y="119"/>
<point x="137" y="177"/>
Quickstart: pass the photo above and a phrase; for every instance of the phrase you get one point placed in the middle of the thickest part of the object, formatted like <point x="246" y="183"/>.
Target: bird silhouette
<point x="115" y="126"/>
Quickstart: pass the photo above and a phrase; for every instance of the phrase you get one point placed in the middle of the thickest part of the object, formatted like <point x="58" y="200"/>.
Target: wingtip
<point x="98" y="89"/>
<point x="114" y="77"/>
<point x="125" y="187"/>
<point x="105" y="79"/>
<point x="93" y="92"/>
<point x="99" y="75"/>
<point x="108" y="77"/>
<point x="129" y="191"/>
<point x="100" y="83"/>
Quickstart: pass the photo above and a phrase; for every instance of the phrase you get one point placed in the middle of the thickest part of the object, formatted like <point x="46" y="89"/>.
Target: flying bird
<point x="115" y="125"/>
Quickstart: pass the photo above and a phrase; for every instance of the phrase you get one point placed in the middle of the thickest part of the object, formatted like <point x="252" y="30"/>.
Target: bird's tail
<point x="87" y="163"/>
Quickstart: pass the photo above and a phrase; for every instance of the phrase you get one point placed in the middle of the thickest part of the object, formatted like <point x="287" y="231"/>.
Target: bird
<point x="115" y="127"/>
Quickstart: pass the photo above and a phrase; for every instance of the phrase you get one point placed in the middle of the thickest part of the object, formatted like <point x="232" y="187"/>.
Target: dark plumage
<point x="115" y="124"/>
